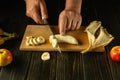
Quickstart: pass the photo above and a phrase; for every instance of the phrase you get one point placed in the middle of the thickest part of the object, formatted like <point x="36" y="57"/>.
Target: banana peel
<point x="103" y="38"/>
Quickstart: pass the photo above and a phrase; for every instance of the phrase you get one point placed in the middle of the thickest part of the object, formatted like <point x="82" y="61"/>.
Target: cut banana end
<point x="45" y="56"/>
<point x="53" y="41"/>
<point x="103" y="39"/>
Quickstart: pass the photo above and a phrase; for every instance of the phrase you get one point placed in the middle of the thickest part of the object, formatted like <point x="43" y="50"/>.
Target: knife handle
<point x="45" y="20"/>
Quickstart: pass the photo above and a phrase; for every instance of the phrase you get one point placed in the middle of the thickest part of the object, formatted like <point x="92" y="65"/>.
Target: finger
<point x="74" y="24"/>
<point x="69" y="24"/>
<point x="43" y="8"/>
<point x="62" y="24"/>
<point x="36" y="17"/>
<point x="78" y="24"/>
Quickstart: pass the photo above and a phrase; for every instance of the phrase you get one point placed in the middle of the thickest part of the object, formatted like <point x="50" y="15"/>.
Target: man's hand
<point x="69" y="20"/>
<point x="36" y="9"/>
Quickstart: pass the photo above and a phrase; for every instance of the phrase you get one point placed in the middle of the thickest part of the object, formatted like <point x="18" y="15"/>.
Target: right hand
<point x="36" y="9"/>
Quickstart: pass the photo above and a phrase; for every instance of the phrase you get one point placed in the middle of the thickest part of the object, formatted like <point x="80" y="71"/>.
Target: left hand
<point x="69" y="20"/>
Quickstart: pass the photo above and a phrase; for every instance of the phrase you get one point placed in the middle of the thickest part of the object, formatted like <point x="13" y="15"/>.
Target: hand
<point x="36" y="9"/>
<point x="69" y="20"/>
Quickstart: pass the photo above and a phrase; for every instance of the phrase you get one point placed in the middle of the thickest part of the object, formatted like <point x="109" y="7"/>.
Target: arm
<point x="74" y="5"/>
<point x="70" y="18"/>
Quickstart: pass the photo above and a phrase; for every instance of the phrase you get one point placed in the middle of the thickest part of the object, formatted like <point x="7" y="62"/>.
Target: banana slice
<point x="53" y="41"/>
<point x="28" y="40"/>
<point x="40" y="39"/>
<point x="34" y="41"/>
<point x="45" y="56"/>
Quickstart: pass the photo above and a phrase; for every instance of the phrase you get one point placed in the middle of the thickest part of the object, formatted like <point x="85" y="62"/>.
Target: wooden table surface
<point x="27" y="65"/>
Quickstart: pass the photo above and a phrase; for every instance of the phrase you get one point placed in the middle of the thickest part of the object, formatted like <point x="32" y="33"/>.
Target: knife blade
<point x="51" y="33"/>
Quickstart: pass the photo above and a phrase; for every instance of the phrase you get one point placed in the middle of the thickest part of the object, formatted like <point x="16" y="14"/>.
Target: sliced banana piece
<point x="34" y="41"/>
<point x="28" y="43"/>
<point x="45" y="56"/>
<point x="40" y="40"/>
<point x="53" y="41"/>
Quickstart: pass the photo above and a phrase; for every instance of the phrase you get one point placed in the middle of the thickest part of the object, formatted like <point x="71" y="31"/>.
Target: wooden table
<point x="27" y="65"/>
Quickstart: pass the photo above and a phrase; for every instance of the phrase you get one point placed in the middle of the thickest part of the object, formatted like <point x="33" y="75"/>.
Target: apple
<point x="115" y="53"/>
<point x="6" y="57"/>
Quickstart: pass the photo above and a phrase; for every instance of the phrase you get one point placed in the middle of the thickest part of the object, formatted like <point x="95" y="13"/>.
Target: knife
<point x="46" y="22"/>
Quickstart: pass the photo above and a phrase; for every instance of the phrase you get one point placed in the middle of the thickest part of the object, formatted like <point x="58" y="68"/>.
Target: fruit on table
<point x="6" y="57"/>
<point x="45" y="56"/>
<point x="4" y="36"/>
<point x="115" y="53"/>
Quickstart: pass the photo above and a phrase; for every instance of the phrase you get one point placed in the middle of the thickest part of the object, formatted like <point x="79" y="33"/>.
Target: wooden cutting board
<point x="42" y="30"/>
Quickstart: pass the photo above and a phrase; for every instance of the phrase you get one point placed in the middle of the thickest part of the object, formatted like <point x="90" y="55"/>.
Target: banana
<point x="63" y="39"/>
<point x="4" y="36"/>
<point x="66" y="39"/>
<point x="28" y="43"/>
<point x="34" y="41"/>
<point x="3" y="39"/>
<point x="2" y="32"/>
<point x="54" y="39"/>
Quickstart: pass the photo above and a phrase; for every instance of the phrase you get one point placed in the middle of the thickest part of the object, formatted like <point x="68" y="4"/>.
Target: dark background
<point x="27" y="65"/>
<point x="13" y="14"/>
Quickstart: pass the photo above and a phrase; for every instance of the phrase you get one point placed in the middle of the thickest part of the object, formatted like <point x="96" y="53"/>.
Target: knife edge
<point x="51" y="33"/>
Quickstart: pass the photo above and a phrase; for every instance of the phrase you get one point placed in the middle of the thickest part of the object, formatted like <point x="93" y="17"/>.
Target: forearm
<point x="74" y="5"/>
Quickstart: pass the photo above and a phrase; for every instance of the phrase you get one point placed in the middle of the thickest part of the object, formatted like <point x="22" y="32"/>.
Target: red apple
<point x="5" y="57"/>
<point x="115" y="53"/>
